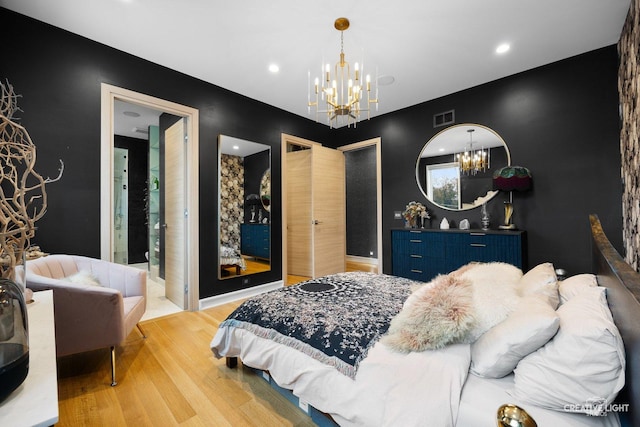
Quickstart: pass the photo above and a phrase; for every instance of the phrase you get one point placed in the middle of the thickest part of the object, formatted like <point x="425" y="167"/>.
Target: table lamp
<point x="510" y="178"/>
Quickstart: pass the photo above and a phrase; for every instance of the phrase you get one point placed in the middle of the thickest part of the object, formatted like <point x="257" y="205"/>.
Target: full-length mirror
<point x="455" y="168"/>
<point x="244" y="188"/>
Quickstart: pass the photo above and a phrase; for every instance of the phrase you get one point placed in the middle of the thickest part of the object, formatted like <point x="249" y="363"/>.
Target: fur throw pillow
<point x="495" y="293"/>
<point x="457" y="307"/>
<point x="440" y="313"/>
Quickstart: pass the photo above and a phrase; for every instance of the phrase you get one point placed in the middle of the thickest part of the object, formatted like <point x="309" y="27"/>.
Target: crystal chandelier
<point x="342" y="93"/>
<point x="471" y="162"/>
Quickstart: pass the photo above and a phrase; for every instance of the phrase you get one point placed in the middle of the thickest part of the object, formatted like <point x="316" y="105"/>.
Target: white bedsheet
<point x="390" y="389"/>
<point x="482" y="397"/>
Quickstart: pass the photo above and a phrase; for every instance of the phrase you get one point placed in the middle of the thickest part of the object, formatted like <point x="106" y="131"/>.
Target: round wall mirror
<point x="455" y="168"/>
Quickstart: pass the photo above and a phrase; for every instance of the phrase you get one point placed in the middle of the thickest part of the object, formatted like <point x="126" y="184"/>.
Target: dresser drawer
<point x="417" y="243"/>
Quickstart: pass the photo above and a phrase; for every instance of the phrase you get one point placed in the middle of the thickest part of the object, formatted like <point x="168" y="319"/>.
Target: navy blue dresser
<point x="255" y="240"/>
<point x="422" y="254"/>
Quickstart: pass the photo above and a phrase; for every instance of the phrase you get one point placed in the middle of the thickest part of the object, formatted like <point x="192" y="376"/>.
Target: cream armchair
<point x="89" y="317"/>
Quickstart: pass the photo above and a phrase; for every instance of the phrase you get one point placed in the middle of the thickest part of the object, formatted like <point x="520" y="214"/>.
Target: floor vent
<point x="442" y="119"/>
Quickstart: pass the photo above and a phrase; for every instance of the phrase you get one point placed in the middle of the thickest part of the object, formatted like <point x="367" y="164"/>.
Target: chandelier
<point x="341" y="94"/>
<point x="471" y="162"/>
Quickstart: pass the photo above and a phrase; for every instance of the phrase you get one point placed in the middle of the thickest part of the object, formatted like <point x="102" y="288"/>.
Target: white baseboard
<point x="237" y="295"/>
<point x="362" y="259"/>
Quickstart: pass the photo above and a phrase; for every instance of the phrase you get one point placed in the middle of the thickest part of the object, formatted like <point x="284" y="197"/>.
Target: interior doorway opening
<point x="188" y="283"/>
<point x="294" y="219"/>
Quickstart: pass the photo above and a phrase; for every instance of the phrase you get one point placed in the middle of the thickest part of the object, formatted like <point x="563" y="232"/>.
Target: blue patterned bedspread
<point x="335" y="319"/>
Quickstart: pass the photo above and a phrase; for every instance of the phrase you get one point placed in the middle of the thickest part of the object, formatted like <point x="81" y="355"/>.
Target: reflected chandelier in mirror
<point x="455" y="167"/>
<point x="243" y="221"/>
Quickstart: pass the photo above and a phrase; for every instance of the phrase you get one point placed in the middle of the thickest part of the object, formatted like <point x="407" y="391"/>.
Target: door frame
<point x="374" y="142"/>
<point x="285" y="139"/>
<point x="109" y="94"/>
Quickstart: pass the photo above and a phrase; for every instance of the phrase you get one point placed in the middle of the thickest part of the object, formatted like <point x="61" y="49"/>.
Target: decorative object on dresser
<point x="423" y="254"/>
<point x="414" y="214"/>
<point x="484" y="219"/>
<point x="510" y="178"/>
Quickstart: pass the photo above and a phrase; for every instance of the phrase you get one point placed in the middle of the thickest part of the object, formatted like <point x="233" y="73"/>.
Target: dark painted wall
<point x="138" y="166"/>
<point x="362" y="235"/>
<point x="561" y="121"/>
<point x="59" y="74"/>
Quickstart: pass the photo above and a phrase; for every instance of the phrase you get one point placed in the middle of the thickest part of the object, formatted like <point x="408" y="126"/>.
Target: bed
<point x="367" y="377"/>
<point x="231" y="258"/>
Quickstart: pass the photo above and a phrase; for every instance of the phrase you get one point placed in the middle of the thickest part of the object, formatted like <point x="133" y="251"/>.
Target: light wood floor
<point x="170" y="378"/>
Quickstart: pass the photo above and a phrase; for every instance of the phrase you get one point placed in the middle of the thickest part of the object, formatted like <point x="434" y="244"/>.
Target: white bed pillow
<point x="495" y="293"/>
<point x="497" y="352"/>
<point x="573" y="285"/>
<point x="541" y="280"/>
<point x="584" y="363"/>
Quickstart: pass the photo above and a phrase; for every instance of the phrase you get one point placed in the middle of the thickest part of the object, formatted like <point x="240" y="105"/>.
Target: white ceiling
<point x="430" y="48"/>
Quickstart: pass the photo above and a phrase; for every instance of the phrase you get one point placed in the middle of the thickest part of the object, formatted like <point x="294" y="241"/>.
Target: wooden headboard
<point x="623" y="293"/>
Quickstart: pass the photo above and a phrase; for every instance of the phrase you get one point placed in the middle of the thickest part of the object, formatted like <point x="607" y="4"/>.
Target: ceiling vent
<point x="442" y="119"/>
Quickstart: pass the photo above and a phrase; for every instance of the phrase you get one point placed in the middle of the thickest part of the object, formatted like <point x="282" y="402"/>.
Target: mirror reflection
<point x="265" y="190"/>
<point x="244" y="198"/>
<point x="455" y="168"/>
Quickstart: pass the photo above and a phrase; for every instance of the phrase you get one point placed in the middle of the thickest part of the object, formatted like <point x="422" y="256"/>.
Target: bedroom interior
<point x="571" y="122"/>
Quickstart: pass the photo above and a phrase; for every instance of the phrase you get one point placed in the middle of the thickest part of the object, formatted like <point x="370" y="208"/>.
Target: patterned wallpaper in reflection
<point x="231" y="199"/>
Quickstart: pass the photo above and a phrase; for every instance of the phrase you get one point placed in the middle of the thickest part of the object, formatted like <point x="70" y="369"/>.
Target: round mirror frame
<point x="440" y="135"/>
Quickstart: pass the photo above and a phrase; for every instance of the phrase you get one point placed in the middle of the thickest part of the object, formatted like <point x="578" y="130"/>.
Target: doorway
<point x="371" y="261"/>
<point x="188" y="245"/>
<point x="302" y="219"/>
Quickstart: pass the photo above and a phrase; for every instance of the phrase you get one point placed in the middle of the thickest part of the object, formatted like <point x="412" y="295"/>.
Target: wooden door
<point x="328" y="211"/>
<point x="174" y="214"/>
<point x="299" y="216"/>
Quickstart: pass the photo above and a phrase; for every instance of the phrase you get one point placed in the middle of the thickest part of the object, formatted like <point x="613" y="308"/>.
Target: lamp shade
<point x="510" y="178"/>
<point x="253" y="199"/>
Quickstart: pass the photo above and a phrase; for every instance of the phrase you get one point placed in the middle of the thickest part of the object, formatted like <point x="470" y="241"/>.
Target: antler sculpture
<point x="23" y="199"/>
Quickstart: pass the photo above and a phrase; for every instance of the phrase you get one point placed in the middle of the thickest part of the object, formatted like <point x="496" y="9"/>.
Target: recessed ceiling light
<point x="235" y="147"/>
<point x="503" y="48"/>
<point x="131" y="114"/>
<point x="274" y="68"/>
